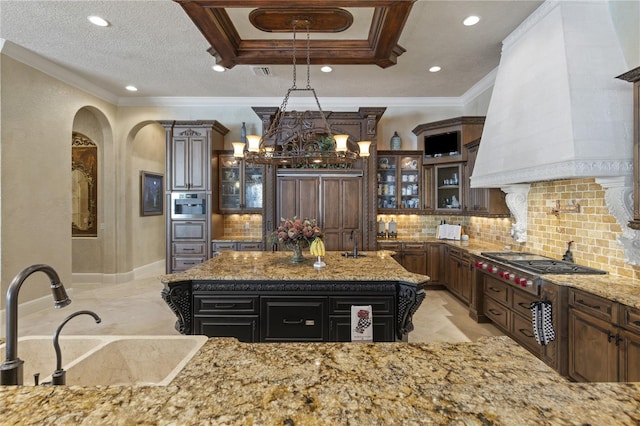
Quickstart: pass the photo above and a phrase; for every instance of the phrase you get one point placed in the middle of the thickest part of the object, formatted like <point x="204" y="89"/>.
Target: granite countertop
<point x="274" y="266"/>
<point x="491" y="381"/>
<point x="234" y="239"/>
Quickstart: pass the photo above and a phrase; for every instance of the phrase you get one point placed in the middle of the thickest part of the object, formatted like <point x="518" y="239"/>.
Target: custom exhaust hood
<point x="557" y="110"/>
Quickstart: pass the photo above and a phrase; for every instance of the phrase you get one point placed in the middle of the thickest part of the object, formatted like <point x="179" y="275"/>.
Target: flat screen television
<point x="442" y="144"/>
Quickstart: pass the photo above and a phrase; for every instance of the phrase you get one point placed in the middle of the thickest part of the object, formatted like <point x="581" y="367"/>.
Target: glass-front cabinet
<point x="241" y="185"/>
<point x="399" y="181"/>
<point x="448" y="187"/>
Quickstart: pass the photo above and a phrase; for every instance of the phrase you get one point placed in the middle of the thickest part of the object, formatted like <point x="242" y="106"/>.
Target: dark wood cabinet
<point x="603" y="345"/>
<point x="399" y="182"/>
<point x="340" y="317"/>
<point x="294" y="319"/>
<point x="480" y="201"/>
<point x="335" y="200"/>
<point x="240" y="188"/>
<point x="458" y="273"/>
<point x="435" y="260"/>
<point x="227" y="316"/>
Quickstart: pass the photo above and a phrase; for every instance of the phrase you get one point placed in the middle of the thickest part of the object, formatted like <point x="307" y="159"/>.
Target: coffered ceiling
<point x="384" y="50"/>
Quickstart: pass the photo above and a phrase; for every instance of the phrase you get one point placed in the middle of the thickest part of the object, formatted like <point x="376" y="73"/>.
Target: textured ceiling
<point x="155" y="46"/>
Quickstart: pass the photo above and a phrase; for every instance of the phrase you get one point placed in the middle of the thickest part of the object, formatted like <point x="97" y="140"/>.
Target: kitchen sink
<point x="108" y="360"/>
<point x="135" y="360"/>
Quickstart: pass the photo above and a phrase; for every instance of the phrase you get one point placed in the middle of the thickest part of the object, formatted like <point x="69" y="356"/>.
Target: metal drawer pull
<point x="524" y="331"/>
<point x="637" y="323"/>
<point x="582" y="302"/>
<point x="224" y="306"/>
<point x="188" y="249"/>
<point x="495" y="290"/>
<point x="524" y="305"/>
<point x="609" y="336"/>
<point x="292" y="322"/>
<point x="494" y="312"/>
<point x="618" y="339"/>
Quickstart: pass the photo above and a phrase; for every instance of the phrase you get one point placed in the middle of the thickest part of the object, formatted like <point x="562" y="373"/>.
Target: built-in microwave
<point x="188" y="205"/>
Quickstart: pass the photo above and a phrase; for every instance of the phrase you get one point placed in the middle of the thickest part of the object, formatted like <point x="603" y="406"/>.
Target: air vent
<point x="262" y="71"/>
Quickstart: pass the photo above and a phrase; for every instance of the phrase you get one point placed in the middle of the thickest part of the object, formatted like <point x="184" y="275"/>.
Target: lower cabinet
<point x="604" y="339"/>
<point x="282" y="318"/>
<point x="458" y="273"/>
<point x="221" y="245"/>
<point x="419" y="258"/>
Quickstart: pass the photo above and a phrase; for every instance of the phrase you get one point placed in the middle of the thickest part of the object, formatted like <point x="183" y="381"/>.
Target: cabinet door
<point x="199" y="164"/>
<point x="341" y="212"/>
<point x="448" y="188"/>
<point x="428" y="188"/>
<point x="593" y="355"/>
<point x="230" y="189"/>
<point x="435" y="258"/>
<point x="298" y="196"/>
<point x="253" y="188"/>
<point x="464" y="279"/>
<point x="340" y="328"/>
<point x="180" y="163"/>
<point x="629" y="347"/>
<point x="387" y="177"/>
<point x="410" y="182"/>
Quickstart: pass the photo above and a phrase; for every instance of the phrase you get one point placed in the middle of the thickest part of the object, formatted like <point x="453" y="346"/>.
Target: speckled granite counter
<point x="274" y="266"/>
<point x="492" y="381"/>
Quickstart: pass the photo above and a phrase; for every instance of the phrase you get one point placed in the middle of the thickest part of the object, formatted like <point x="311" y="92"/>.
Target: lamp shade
<point x="238" y="149"/>
<point x="364" y="148"/>
<point x="254" y="143"/>
<point x="341" y="142"/>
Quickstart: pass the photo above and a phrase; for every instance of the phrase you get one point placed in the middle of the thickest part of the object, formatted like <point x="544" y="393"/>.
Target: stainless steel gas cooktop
<point x="537" y="264"/>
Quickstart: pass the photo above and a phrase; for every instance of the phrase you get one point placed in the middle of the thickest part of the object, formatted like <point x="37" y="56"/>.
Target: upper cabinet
<point x="241" y="186"/>
<point x="399" y="181"/>
<point x="189" y="146"/>
<point x="450" y="150"/>
<point x="633" y="76"/>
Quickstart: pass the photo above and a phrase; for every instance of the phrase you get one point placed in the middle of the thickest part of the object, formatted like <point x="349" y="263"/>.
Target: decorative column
<point x="517" y="198"/>
<point x="618" y="196"/>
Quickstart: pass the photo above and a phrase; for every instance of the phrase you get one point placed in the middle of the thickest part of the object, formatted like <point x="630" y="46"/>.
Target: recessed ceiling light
<point x="434" y="69"/>
<point x="96" y="20"/>
<point x="131" y="88"/>
<point x="326" y="68"/>
<point x="218" y="68"/>
<point x="471" y="20"/>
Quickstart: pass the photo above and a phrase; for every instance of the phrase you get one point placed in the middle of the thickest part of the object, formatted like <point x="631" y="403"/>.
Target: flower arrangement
<point x="296" y="232"/>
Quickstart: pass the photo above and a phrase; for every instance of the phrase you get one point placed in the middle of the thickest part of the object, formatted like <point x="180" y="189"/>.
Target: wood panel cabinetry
<point x="604" y="343"/>
<point x="481" y="201"/>
<point x="399" y="181"/>
<point x="240" y="185"/>
<point x="224" y="245"/>
<point x="419" y="257"/>
<point x="458" y="273"/>
<point x="334" y="199"/>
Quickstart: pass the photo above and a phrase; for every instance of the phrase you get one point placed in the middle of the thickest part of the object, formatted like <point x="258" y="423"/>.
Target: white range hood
<point x="557" y="111"/>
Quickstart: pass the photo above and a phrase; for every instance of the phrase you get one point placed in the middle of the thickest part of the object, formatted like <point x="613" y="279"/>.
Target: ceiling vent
<point x="262" y="71"/>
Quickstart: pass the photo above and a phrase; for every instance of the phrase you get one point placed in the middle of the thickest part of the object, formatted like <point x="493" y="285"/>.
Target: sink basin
<point x="39" y="356"/>
<point x="108" y="360"/>
<point x="135" y="360"/>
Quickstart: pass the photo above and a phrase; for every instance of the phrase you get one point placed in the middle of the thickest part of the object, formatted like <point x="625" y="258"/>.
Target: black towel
<point x="542" y="322"/>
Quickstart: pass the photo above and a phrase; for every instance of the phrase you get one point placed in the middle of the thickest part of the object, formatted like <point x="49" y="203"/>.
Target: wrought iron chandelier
<point x="292" y="140"/>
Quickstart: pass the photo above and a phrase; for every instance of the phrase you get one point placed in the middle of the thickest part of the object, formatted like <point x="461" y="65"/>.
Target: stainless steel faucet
<point x="355" y="243"/>
<point x="11" y="369"/>
<point x="59" y="376"/>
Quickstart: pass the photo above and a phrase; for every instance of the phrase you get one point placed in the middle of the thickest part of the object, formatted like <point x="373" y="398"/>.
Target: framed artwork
<point x="84" y="186"/>
<point x="151" y="194"/>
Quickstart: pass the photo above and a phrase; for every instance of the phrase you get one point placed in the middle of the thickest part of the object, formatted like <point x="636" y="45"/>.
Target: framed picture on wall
<point x="151" y="194"/>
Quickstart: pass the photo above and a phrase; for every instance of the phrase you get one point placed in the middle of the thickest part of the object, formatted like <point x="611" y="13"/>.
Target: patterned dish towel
<point x="542" y="322"/>
<point x="361" y="324"/>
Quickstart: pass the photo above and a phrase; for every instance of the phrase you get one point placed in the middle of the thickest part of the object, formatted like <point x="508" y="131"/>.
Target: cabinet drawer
<point x="293" y="319"/>
<point x="496" y="290"/>
<point x="414" y="246"/>
<point x="203" y="304"/>
<point x="631" y="318"/>
<point x="245" y="246"/>
<point x="221" y="246"/>
<point x="242" y="327"/>
<point x="522" y="330"/>
<point x="497" y="313"/>
<point x="594" y="305"/>
<point x="392" y="246"/>
<point x="380" y="305"/>
<point x="188" y="248"/>
<point x="188" y="230"/>
<point x="184" y="263"/>
<point x="521" y="303"/>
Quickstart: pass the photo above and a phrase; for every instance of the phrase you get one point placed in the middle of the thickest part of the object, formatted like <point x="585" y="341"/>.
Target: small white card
<point x="449" y="232"/>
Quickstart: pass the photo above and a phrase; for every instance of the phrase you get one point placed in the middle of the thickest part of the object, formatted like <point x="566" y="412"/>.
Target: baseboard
<point x="149" y="270"/>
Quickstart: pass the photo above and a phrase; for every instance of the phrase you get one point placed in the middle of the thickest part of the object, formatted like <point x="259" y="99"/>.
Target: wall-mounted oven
<point x="189" y="205"/>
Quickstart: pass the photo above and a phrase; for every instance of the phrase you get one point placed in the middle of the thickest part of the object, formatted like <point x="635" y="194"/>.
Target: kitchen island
<point x="493" y="381"/>
<point x="261" y="297"/>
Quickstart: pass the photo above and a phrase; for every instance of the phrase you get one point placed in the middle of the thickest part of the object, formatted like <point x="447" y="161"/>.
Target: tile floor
<point x="135" y="307"/>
